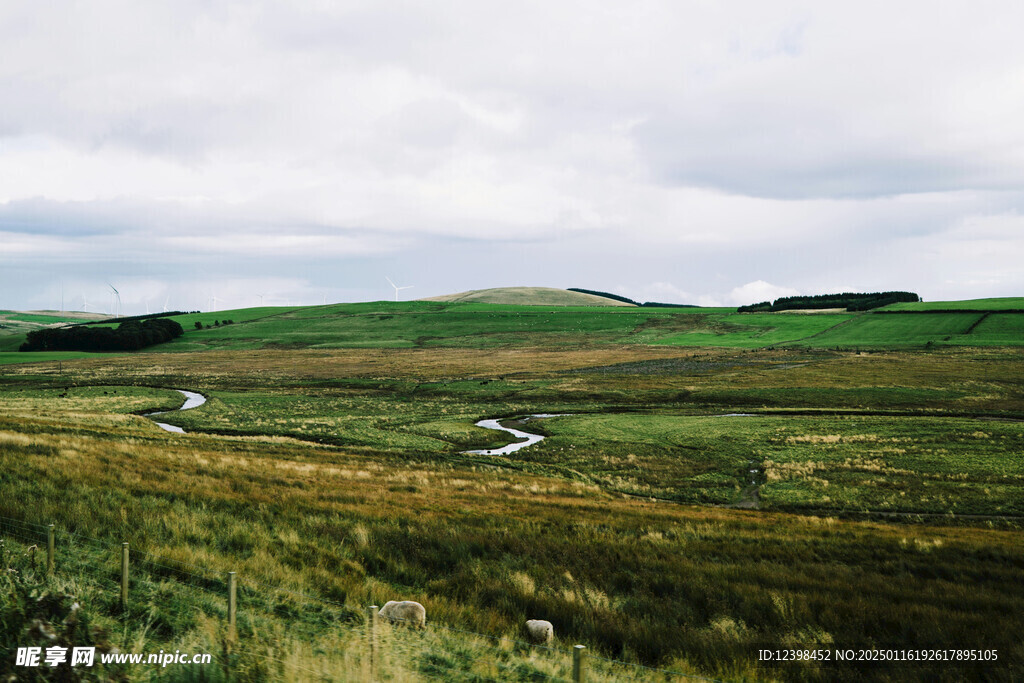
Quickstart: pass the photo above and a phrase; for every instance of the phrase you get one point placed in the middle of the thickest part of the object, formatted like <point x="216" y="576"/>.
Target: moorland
<point x="717" y="483"/>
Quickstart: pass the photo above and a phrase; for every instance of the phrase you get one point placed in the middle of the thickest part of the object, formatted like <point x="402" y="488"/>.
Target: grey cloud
<point x="685" y="148"/>
<point x="761" y="155"/>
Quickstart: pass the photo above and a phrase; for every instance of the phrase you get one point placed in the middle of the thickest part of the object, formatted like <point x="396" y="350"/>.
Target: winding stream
<point x="513" y="447"/>
<point x="192" y="400"/>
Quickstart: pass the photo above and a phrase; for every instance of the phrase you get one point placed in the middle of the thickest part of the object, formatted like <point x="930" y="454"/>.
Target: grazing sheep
<point x="405" y="612"/>
<point x="540" y="631"/>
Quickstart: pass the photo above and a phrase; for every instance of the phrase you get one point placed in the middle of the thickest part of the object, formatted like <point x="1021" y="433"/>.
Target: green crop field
<point x="425" y="324"/>
<point x="389" y="325"/>
<point x="998" y="329"/>
<point x="1014" y="303"/>
<point x="714" y="483"/>
<point x="755" y="330"/>
<point x="11" y="357"/>
<point x="890" y="330"/>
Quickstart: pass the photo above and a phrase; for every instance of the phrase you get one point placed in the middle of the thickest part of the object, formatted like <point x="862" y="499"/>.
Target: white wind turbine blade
<point x="117" y="295"/>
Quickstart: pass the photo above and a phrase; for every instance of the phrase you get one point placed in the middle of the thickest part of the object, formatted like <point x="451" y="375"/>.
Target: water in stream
<point x="192" y="400"/>
<point x="530" y="439"/>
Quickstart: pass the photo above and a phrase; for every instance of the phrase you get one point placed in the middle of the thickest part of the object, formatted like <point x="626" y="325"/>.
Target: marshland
<point x="870" y="496"/>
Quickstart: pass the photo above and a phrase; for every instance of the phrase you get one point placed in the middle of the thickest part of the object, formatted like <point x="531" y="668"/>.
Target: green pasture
<point x="43" y="318"/>
<point x="9" y="357"/>
<point x="998" y="329"/>
<point x="413" y="324"/>
<point x="893" y="330"/>
<point x="754" y="330"/>
<point x="422" y="324"/>
<point x="432" y="324"/>
<point x="1006" y="303"/>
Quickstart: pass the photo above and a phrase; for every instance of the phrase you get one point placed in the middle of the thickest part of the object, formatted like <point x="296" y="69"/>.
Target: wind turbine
<point x="165" y="302"/>
<point x="260" y="296"/>
<point x="85" y="304"/>
<point x="213" y="302"/>
<point x="117" y="307"/>
<point x="397" y="288"/>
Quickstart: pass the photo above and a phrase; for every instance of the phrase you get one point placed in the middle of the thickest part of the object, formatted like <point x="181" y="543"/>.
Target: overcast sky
<point x="691" y="152"/>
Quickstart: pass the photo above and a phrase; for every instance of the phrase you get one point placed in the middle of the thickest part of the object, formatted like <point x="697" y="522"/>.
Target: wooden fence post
<point x="232" y="605"/>
<point x="371" y="634"/>
<point x="49" y="549"/>
<point x="124" y="576"/>
<point x="579" y="664"/>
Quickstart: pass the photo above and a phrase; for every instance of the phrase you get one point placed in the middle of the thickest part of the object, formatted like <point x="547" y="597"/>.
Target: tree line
<point x="130" y="335"/>
<point x="616" y="297"/>
<point x="851" y="301"/>
<point x="144" y="316"/>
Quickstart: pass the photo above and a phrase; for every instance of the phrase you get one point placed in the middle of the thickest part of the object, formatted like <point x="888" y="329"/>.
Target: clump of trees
<point x="657" y="304"/>
<point x="605" y="295"/>
<point x="851" y="301"/>
<point x="130" y="335"/>
<point x="215" y="323"/>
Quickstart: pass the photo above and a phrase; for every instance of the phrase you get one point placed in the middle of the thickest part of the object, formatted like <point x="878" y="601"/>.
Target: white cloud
<point x="757" y="291"/>
<point x="708" y="143"/>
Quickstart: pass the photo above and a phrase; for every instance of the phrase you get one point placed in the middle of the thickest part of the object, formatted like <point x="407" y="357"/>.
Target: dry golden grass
<point x="485" y="547"/>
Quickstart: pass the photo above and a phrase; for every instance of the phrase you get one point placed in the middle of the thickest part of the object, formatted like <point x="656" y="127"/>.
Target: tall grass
<point x="388" y="509"/>
<point x="484" y="550"/>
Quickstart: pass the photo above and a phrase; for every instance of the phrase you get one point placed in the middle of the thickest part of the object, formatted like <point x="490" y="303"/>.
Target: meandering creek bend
<point x="192" y="400"/>
<point x="513" y="447"/>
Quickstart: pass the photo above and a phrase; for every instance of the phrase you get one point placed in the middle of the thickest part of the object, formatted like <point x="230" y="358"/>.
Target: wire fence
<point x="562" y="664"/>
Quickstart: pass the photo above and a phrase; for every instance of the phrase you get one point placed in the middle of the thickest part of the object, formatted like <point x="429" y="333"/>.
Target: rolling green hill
<point x="461" y="324"/>
<point x="476" y="325"/>
<point x="528" y="296"/>
<point x="688" y="506"/>
<point x="18" y="323"/>
<point x="1006" y="303"/>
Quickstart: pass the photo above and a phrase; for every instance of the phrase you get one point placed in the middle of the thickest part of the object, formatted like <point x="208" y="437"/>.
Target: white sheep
<point x="405" y="612"/>
<point x="540" y="631"/>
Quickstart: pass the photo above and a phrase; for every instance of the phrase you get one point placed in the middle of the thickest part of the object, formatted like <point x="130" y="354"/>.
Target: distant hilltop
<point x="529" y="296"/>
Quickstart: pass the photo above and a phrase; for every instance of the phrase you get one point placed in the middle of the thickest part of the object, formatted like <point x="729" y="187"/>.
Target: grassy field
<point x="870" y="497"/>
<point x="689" y="588"/>
<point x="754" y="330"/>
<point x="998" y="329"/>
<point x="473" y="325"/>
<point x="430" y="324"/>
<point x="838" y="464"/>
<point x="12" y="357"/>
<point x="892" y="330"/>
<point x="1015" y="303"/>
<point x="531" y="296"/>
